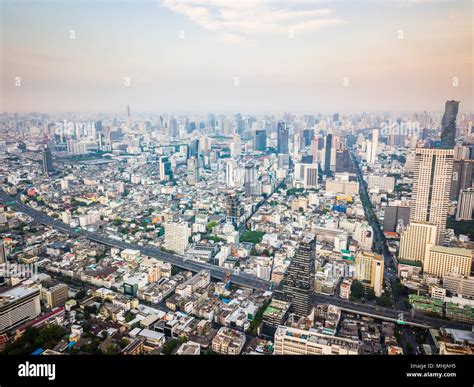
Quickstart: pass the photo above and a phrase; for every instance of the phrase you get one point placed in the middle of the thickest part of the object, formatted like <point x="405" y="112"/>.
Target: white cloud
<point x="237" y="20"/>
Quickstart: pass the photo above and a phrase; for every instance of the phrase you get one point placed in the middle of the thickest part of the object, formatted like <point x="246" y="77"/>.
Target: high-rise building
<point x="311" y="176"/>
<point x="431" y="186"/>
<point x="173" y="128"/>
<point x="344" y="162"/>
<point x="234" y="209"/>
<point x="306" y="137"/>
<point x="440" y="260"/>
<point x="364" y="235"/>
<point x="18" y="305"/>
<point x="284" y="162"/>
<point x="298" y="282"/>
<point x="3" y="252"/>
<point x="193" y="171"/>
<point x="165" y="169"/>
<point x="235" y="146"/>
<point x="250" y="179"/>
<point x="282" y="138"/>
<point x="47" y="161"/>
<point x="465" y="206"/>
<point x="448" y="124"/>
<point x="240" y="124"/>
<point x="463" y="177"/>
<point x="230" y="172"/>
<point x="369" y="269"/>
<point x="191" y="127"/>
<point x="414" y="240"/>
<point x="128" y="120"/>
<point x="375" y="145"/>
<point x="193" y="148"/>
<point x="177" y="236"/>
<point x="327" y="155"/>
<point x="260" y="141"/>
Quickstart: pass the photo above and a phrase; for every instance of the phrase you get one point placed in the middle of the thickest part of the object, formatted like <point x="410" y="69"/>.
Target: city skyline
<point x="200" y="56"/>
<point x="222" y="177"/>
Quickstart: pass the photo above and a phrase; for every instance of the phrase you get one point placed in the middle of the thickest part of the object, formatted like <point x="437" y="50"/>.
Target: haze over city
<point x="255" y="177"/>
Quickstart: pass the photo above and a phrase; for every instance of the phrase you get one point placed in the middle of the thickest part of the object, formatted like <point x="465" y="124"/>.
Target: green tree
<point x="169" y="346"/>
<point x="124" y="342"/>
<point x="45" y="337"/>
<point x="357" y="291"/>
<point x="80" y="295"/>
<point x="252" y="236"/>
<point x="129" y="316"/>
<point x="370" y="294"/>
<point x="210" y="226"/>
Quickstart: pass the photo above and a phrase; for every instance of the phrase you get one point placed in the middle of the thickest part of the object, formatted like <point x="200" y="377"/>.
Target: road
<point x="243" y="226"/>
<point x="388" y="314"/>
<point x="379" y="238"/>
<point x="217" y="272"/>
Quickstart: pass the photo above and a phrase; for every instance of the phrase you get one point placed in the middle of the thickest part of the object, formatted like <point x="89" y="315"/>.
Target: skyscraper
<point x="311" y="176"/>
<point x="282" y="138"/>
<point x="250" y="179"/>
<point x="448" y="124"/>
<point x="260" y="143"/>
<point x="375" y="145"/>
<point x="173" y="128"/>
<point x="344" y="162"/>
<point x="193" y="171"/>
<point x="298" y="282"/>
<point x="47" y="161"/>
<point x="306" y="137"/>
<point x="230" y="173"/>
<point x="128" y="122"/>
<point x="193" y="148"/>
<point x="463" y="169"/>
<point x="235" y="146"/>
<point x="327" y="155"/>
<point x="166" y="172"/>
<point x="431" y="186"/>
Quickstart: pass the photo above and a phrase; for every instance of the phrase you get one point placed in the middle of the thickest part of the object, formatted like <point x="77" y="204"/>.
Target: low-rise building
<point x="228" y="341"/>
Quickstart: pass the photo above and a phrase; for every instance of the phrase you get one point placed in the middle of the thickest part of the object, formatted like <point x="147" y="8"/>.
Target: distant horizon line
<point x="242" y="112"/>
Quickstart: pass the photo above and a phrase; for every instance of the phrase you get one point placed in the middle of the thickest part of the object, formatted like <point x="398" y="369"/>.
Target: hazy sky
<point x="246" y="55"/>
